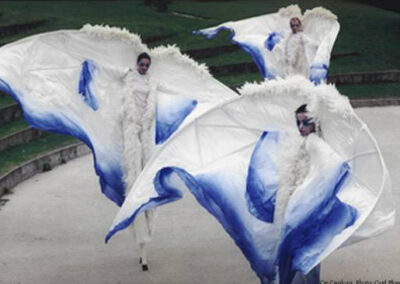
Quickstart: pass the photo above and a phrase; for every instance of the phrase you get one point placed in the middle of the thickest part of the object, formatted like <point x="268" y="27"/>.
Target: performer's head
<point x="143" y="63"/>
<point x="305" y="123"/>
<point x="295" y="25"/>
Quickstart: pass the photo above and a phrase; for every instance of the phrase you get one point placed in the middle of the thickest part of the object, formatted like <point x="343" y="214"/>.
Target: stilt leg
<point x="143" y="256"/>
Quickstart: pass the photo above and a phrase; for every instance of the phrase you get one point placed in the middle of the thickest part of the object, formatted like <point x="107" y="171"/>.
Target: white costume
<point x="75" y="82"/>
<point x="138" y="121"/>
<point x="278" y="52"/>
<point x="295" y="56"/>
<point x="286" y="202"/>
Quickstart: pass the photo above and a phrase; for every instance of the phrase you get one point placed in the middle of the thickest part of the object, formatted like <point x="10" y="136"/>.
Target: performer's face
<point x="143" y="66"/>
<point x="305" y="124"/>
<point x="295" y="25"/>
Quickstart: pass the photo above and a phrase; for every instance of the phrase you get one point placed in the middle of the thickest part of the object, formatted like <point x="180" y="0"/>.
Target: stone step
<point x="16" y="155"/>
<point x="199" y="53"/>
<point x="43" y="162"/>
<point x="10" y="113"/>
<point x="13" y="127"/>
<point x="156" y="38"/>
<point x="235" y="68"/>
<point x="382" y="76"/>
<point x="388" y="101"/>
<point x="211" y="51"/>
<point x="20" y="137"/>
<point x="13" y="29"/>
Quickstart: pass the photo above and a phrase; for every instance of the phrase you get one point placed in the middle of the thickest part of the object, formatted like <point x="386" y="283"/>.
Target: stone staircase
<point x="16" y="137"/>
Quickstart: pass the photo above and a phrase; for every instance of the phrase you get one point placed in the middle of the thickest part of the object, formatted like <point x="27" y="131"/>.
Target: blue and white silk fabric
<point x="75" y="81"/>
<point x="277" y="51"/>
<point x="287" y="201"/>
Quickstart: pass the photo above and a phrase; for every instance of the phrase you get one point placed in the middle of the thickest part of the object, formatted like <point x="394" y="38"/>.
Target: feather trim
<point x="319" y="12"/>
<point x="136" y="127"/>
<point x="320" y="99"/>
<point x="290" y="11"/>
<point x="148" y="121"/>
<point x="171" y="51"/>
<point x="107" y="32"/>
<point x="293" y="86"/>
<point x="294" y="165"/>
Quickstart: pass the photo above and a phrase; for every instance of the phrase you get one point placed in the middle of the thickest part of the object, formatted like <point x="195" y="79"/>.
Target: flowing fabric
<point x="278" y="52"/>
<point x="76" y="82"/>
<point x="286" y="201"/>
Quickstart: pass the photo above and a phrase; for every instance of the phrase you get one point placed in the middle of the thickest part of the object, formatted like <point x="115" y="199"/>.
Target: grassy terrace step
<point x="213" y="52"/>
<point x="20" y="137"/>
<point x="234" y="55"/>
<point x="13" y="127"/>
<point x="353" y="91"/>
<point x="15" y="156"/>
<point x="10" y="113"/>
<point x="236" y="68"/>
<point x="73" y="15"/>
<point x="6" y="100"/>
<point x="240" y="69"/>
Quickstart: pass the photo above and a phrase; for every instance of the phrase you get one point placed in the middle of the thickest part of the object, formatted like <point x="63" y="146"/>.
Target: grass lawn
<point x="74" y="14"/>
<point x="371" y="31"/>
<point x="15" y="156"/>
<point x="13" y="127"/>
